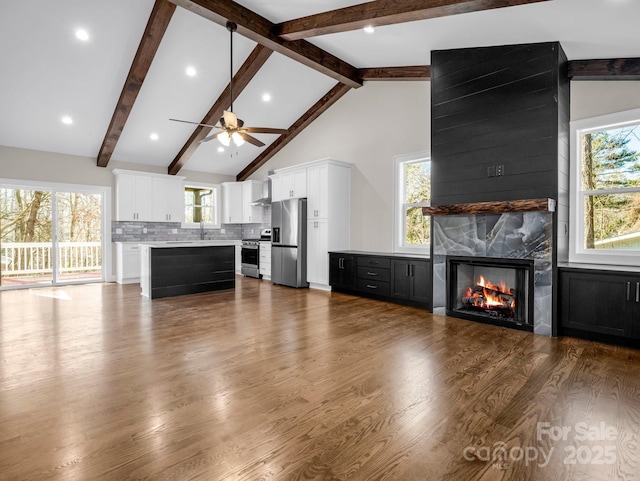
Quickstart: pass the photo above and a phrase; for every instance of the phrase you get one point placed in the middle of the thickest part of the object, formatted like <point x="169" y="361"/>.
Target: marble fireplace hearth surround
<point x="504" y="230"/>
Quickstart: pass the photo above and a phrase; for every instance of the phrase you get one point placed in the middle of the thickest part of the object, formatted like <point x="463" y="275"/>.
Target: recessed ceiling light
<point x="369" y="29"/>
<point x="191" y="71"/>
<point x="220" y="149"/>
<point x="266" y="97"/>
<point x="67" y="120"/>
<point x="82" y="34"/>
<point x="154" y="136"/>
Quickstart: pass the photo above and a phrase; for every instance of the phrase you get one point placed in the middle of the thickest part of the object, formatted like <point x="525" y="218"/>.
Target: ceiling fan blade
<point x="230" y="119"/>
<point x="250" y="139"/>
<point x="265" y="130"/>
<point x="195" y="123"/>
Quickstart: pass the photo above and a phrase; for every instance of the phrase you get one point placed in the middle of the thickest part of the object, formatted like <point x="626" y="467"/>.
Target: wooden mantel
<point x="498" y="207"/>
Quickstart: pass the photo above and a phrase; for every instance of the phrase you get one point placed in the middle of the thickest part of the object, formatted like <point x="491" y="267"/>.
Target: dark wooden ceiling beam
<point x="605" y="69"/>
<point x="416" y="72"/>
<point x="241" y="79"/>
<point x="384" y="12"/>
<point x="298" y="126"/>
<point x="260" y="30"/>
<point x="156" y="27"/>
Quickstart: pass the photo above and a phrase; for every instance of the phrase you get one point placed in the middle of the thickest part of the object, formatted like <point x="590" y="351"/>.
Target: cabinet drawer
<point x="374" y="273"/>
<point x="380" y="262"/>
<point x="378" y="288"/>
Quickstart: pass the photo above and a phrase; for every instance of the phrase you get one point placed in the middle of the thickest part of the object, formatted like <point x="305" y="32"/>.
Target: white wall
<point x="591" y="98"/>
<point x="367" y="127"/>
<point x="24" y="164"/>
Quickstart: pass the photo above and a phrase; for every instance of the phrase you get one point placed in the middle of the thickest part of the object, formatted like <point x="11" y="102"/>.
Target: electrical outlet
<point x="222" y="231"/>
<point x="144" y="230"/>
<point x="499" y="170"/>
<point x="118" y="231"/>
<point x="174" y="231"/>
<point x="491" y="171"/>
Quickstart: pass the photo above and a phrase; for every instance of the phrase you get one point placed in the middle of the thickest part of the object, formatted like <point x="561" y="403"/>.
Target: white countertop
<point x="198" y="243"/>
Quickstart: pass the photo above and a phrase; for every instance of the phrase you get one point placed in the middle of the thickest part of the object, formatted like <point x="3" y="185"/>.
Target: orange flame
<point x="502" y="287"/>
<point x="489" y="298"/>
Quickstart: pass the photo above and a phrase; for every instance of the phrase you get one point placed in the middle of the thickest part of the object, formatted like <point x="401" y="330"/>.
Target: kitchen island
<point x="175" y="268"/>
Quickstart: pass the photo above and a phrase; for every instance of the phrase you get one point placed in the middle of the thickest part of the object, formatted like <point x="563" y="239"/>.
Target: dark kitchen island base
<point x="174" y="270"/>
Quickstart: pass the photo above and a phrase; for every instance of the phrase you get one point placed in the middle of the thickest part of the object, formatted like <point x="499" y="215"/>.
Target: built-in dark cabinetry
<point x="342" y="271"/>
<point x="600" y="305"/>
<point x="391" y="277"/>
<point x="374" y="275"/>
<point x="411" y="280"/>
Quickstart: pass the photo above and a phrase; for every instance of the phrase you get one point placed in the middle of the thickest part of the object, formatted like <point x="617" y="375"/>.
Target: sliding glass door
<point x="50" y="236"/>
<point x="26" y="240"/>
<point x="79" y="239"/>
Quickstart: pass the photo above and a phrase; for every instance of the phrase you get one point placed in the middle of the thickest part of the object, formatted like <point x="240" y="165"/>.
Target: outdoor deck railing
<point x="28" y="258"/>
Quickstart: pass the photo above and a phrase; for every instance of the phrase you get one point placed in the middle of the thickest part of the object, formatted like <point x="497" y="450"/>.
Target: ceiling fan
<point x="231" y="127"/>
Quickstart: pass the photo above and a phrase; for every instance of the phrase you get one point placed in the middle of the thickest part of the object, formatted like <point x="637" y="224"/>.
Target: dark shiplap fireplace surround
<point x="501" y="110"/>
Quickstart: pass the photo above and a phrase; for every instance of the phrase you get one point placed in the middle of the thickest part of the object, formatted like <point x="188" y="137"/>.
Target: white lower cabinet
<point x="265" y="260"/>
<point x="318" y="253"/>
<point x="127" y="263"/>
<point x="238" y="265"/>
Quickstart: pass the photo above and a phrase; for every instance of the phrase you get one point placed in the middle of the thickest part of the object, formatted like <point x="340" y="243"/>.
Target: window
<point x="201" y="204"/>
<point x="413" y="191"/>
<point x="606" y="189"/>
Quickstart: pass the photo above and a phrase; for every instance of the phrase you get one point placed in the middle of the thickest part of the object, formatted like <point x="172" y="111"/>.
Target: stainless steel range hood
<point x="266" y="194"/>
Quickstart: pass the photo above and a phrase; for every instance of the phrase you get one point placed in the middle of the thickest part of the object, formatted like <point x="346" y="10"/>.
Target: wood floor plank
<point x="266" y="382"/>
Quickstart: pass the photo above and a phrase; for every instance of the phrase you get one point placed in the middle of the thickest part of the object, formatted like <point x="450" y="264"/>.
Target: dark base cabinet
<point x="342" y="271"/>
<point x="390" y="277"/>
<point x="600" y="305"/>
<point x="411" y="280"/>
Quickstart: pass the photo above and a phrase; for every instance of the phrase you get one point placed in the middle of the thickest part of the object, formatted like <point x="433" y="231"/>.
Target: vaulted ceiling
<point x="130" y="77"/>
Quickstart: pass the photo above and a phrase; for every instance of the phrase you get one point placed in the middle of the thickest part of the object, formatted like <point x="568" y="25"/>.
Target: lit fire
<point x="502" y="287"/>
<point x="491" y="295"/>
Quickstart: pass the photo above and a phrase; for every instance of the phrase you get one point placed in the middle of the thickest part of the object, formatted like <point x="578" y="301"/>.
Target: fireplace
<point x="492" y="290"/>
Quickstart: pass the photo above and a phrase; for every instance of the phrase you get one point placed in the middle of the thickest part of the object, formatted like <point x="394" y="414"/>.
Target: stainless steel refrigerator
<point x="289" y="242"/>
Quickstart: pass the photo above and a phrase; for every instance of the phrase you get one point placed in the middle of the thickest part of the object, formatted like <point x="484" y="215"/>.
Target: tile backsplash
<point x="133" y="231"/>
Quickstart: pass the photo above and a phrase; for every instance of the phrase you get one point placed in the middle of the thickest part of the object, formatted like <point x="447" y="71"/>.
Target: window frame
<point x="400" y="207"/>
<point x="216" y="209"/>
<point x="577" y="252"/>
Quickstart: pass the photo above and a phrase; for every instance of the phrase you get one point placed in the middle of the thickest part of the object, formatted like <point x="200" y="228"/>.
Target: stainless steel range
<point x="251" y="254"/>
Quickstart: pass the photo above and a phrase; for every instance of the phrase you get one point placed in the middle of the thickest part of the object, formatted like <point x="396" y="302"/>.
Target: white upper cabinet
<point x="318" y="191"/>
<point x="168" y="194"/>
<point x="232" y="200"/>
<point x="148" y="197"/>
<point x="251" y="191"/>
<point x="236" y="197"/>
<point x="289" y="184"/>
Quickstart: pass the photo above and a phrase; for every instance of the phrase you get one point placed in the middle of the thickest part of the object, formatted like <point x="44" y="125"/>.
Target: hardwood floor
<point x="273" y="383"/>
